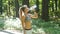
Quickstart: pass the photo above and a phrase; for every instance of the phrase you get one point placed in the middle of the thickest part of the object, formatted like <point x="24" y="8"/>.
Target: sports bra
<point x="28" y="17"/>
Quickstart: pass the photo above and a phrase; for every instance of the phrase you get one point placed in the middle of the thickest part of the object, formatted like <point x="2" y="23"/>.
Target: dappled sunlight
<point x="39" y="31"/>
<point x="12" y="23"/>
<point x="10" y="32"/>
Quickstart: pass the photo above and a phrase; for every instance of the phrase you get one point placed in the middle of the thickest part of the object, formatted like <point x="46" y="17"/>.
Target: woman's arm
<point x="22" y="19"/>
<point x="23" y="22"/>
<point x="35" y="15"/>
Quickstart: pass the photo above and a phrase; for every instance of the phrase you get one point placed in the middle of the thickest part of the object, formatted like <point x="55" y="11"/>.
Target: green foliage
<point x="40" y="23"/>
<point x="57" y="13"/>
<point x="52" y="30"/>
<point x="1" y="23"/>
<point x="50" y="27"/>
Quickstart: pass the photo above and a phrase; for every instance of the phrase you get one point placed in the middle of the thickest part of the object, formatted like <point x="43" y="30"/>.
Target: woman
<point x="26" y="19"/>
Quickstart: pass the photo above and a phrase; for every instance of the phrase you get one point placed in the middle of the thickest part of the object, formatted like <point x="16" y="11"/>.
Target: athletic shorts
<point x="28" y="31"/>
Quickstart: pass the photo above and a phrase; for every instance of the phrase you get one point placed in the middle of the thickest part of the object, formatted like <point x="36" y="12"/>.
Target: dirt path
<point x="10" y="32"/>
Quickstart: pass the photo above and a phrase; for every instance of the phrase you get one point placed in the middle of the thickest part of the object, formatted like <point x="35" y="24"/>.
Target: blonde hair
<point x="21" y="11"/>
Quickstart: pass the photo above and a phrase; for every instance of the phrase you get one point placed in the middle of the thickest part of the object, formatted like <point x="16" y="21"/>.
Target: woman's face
<point x="26" y="10"/>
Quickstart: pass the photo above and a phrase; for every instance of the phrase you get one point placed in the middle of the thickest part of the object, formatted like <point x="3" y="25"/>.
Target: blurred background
<point x="48" y="21"/>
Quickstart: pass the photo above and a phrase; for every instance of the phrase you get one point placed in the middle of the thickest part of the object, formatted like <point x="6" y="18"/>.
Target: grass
<point x="52" y="30"/>
<point x="51" y="27"/>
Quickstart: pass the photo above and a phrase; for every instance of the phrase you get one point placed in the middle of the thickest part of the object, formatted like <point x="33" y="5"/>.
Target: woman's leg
<point x="28" y="31"/>
<point x="24" y="32"/>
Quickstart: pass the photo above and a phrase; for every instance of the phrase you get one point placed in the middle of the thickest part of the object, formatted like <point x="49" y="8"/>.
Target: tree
<point x="53" y="5"/>
<point x="59" y="4"/>
<point x="0" y="6"/>
<point x="37" y="9"/>
<point x="9" y="8"/>
<point x="45" y="10"/>
<point x="37" y="3"/>
<point x="25" y="2"/>
<point x="17" y="8"/>
<point x="56" y="12"/>
<point x="56" y="4"/>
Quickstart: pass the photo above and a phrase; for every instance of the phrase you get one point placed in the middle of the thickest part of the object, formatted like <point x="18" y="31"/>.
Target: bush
<point x="50" y="27"/>
<point x="1" y="23"/>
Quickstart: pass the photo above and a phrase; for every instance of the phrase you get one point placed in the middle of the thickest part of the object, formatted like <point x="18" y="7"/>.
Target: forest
<point x="48" y="21"/>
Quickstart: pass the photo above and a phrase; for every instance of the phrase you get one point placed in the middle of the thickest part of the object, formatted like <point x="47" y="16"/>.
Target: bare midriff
<point x="28" y="25"/>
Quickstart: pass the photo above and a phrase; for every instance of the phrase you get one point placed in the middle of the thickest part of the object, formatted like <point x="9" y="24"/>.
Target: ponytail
<point x="20" y="13"/>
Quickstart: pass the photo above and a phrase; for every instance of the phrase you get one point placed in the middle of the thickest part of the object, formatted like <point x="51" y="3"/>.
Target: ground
<point x="10" y="32"/>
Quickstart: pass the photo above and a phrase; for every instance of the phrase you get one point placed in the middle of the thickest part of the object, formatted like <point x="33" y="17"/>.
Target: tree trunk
<point x="45" y="10"/>
<point x="52" y="5"/>
<point x="37" y="3"/>
<point x="56" y="4"/>
<point x="0" y="6"/>
<point x="25" y="2"/>
<point x="17" y="8"/>
<point x="59" y="4"/>
<point x="37" y="9"/>
<point x="9" y="8"/>
<point x="55" y="8"/>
